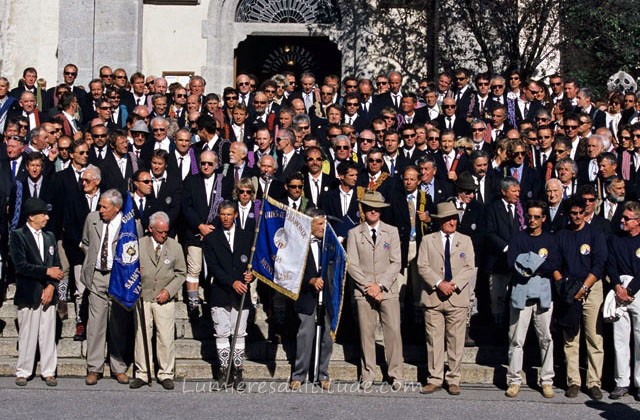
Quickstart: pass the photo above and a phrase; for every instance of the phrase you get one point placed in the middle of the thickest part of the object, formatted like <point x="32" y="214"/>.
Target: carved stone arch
<point x="223" y="34"/>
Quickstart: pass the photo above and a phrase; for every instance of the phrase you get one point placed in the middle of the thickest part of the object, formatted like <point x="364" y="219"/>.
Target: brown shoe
<point x="295" y="385"/>
<point x="512" y="391"/>
<point x="21" y="381"/>
<point x="547" y="391"/>
<point x="430" y="389"/>
<point x="453" y="389"/>
<point x="325" y="384"/>
<point x="122" y="378"/>
<point x="50" y="381"/>
<point x="92" y="378"/>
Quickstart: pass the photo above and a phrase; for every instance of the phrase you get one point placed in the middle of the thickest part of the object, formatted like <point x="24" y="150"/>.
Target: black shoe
<point x="468" y="341"/>
<point x="167" y="384"/>
<point x="222" y="377"/>
<point x="619" y="392"/>
<point x="594" y="393"/>
<point x="137" y="383"/>
<point x="193" y="309"/>
<point x="572" y="391"/>
<point x="238" y="383"/>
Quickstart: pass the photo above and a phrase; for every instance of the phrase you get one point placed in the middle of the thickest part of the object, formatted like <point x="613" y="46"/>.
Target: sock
<point x="223" y="352"/>
<point x="63" y="286"/>
<point x="238" y="353"/>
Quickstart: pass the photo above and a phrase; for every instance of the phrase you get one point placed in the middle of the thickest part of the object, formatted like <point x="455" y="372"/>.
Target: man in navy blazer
<point x="38" y="270"/>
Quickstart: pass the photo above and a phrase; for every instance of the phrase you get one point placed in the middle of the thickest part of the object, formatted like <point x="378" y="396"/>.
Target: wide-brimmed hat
<point x="373" y="199"/>
<point x="35" y="206"/>
<point x="140" y="127"/>
<point x="445" y="209"/>
<point x="465" y="182"/>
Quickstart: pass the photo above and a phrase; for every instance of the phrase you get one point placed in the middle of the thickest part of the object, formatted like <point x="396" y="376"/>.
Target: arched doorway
<point x="265" y="56"/>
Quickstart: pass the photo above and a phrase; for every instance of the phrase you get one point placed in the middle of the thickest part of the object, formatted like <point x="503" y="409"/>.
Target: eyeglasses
<point x="433" y="138"/>
<point x="181" y="95"/>
<point x="260" y="102"/>
<point x="245" y="192"/>
<point x="534" y="216"/>
<point x="448" y="106"/>
<point x="85" y="180"/>
<point x="108" y="76"/>
<point x="589" y="200"/>
<point x="576" y="213"/>
<point x="482" y="83"/>
<point x="193" y="121"/>
<point x="352" y="104"/>
<point x="408" y="136"/>
<point x="558" y="151"/>
<point x="476" y="130"/>
<point x="342" y="147"/>
<point x="584" y="122"/>
<point x="366" y="140"/>
<point x="63" y="148"/>
<point x="155" y="130"/>
<point x="121" y="77"/>
<point x="243" y="83"/>
<point x="52" y="132"/>
<point x="556" y="84"/>
<point x="294" y="187"/>
<point x="571" y="127"/>
<point x="371" y="160"/>
<point x="542" y="119"/>
<point x="519" y="153"/>
<point x="145" y="181"/>
<point x="382" y="83"/>
<point x="230" y="98"/>
<point x="497" y="86"/>
<point x="99" y="136"/>
<point x="316" y="159"/>
<point x="70" y="73"/>
<point x="205" y="163"/>
<point x="104" y="108"/>
<point x="626" y="218"/>
<point x="351" y="86"/>
<point x="636" y="135"/>
<point x="460" y="78"/>
<point x="279" y="139"/>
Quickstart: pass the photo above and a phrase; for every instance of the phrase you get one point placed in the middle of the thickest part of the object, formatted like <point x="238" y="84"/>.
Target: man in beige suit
<point x="374" y="253"/>
<point x="162" y="273"/>
<point x="446" y="266"/>
<point x="99" y="239"/>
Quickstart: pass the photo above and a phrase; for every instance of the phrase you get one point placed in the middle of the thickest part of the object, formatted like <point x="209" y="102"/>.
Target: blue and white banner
<point x="124" y="285"/>
<point x="281" y="247"/>
<point x="334" y="274"/>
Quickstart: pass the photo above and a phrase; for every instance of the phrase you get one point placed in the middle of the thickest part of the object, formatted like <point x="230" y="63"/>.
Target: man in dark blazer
<point x="504" y="218"/>
<point x="556" y="214"/>
<point x="226" y="252"/>
<point x="486" y="180"/>
<point x="463" y="94"/>
<point x="166" y="191"/>
<point x="450" y="119"/>
<point x="436" y="188"/>
<point x="306" y="306"/>
<point x="117" y="166"/>
<point x="341" y="204"/>
<point x="528" y="178"/>
<point x="38" y="270"/>
<point x="317" y="184"/>
<point x="289" y="161"/>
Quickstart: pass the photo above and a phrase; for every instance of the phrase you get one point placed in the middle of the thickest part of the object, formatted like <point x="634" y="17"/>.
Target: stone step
<point x="253" y="371"/>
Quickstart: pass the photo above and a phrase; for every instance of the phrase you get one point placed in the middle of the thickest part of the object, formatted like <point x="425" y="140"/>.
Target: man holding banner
<point x="99" y="239"/>
<point x="306" y="307"/>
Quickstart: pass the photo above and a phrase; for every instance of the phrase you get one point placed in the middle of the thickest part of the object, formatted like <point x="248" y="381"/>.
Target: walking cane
<point x="244" y="260"/>
<point x="143" y="325"/>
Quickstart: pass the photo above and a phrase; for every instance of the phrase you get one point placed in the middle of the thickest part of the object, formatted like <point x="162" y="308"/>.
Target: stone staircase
<point x="267" y="360"/>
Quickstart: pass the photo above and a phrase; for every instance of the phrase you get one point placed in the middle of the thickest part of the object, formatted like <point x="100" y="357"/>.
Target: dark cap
<point x="35" y="206"/>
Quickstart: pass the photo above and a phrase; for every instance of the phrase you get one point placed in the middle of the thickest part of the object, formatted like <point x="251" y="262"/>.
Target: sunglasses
<point x="230" y="98"/>
<point x="482" y="83"/>
<point x="99" y="136"/>
<point x="497" y="86"/>
<point x="556" y="84"/>
<point x="476" y="130"/>
<point x="181" y="95"/>
<point x="145" y="181"/>
<point x="294" y="187"/>
<point x="370" y="160"/>
<point x="514" y="78"/>
<point x="351" y="86"/>
<point x="352" y="104"/>
<point x="365" y="140"/>
<point x="576" y="213"/>
<point x="558" y="151"/>
<point x="104" y="108"/>
<point x="269" y="91"/>
<point x="408" y="136"/>
<point x="571" y="127"/>
<point x="244" y="84"/>
<point x="534" y="216"/>
<point x="433" y="138"/>
<point x="303" y="127"/>
<point x="343" y="147"/>
<point x="70" y="73"/>
<point x="388" y="117"/>
<point x="206" y="163"/>
<point x="382" y="83"/>
<point x="114" y="97"/>
<point x="260" y="102"/>
<point x="121" y="77"/>
<point x="627" y="218"/>
<point x="245" y="192"/>
<point x="448" y="106"/>
<point x="81" y="152"/>
<point x="108" y="76"/>
<point x="317" y="159"/>
<point x="156" y="130"/>
<point x="519" y="153"/>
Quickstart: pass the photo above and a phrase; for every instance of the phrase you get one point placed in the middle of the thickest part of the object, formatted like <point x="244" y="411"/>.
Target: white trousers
<point x="37" y="331"/>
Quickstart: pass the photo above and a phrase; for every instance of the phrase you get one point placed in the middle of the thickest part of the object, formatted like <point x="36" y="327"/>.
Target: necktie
<point x="447" y="259"/>
<point x="480" y="198"/>
<point x="412" y="215"/>
<point x="526" y="110"/>
<point x="241" y="134"/>
<point x="40" y="244"/>
<point x="90" y="201"/>
<point x="79" y="177"/>
<point x="14" y="166"/>
<point x="564" y="191"/>
<point x="294" y="205"/>
<point x="317" y="185"/>
<point x="180" y="159"/>
<point x="544" y="158"/>
<point x="141" y="205"/>
<point x="284" y="162"/>
<point x="158" y="247"/>
<point x="104" y="250"/>
<point x="228" y="232"/>
<point x="449" y="123"/>
<point x="236" y="174"/>
<point x="138" y="101"/>
<point x="446" y="162"/>
<point x="610" y="212"/>
<point x="373" y="236"/>
<point x="372" y="182"/>
<point x="35" y="190"/>
<point x="515" y="174"/>
<point x="392" y="169"/>
<point x="481" y="106"/>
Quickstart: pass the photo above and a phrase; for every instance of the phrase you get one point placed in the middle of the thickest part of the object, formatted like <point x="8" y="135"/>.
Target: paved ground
<point x="192" y="400"/>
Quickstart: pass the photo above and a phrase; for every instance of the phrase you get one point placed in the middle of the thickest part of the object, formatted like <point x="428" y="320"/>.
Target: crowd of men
<point x="489" y="196"/>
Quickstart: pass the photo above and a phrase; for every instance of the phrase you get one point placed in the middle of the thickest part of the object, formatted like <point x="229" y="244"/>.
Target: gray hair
<point x="567" y="161"/>
<point x="94" y="171"/>
<point x="508" y="182"/>
<point x="552" y="181"/>
<point x="114" y="197"/>
<point x="158" y="216"/>
<point x="301" y="118"/>
<point x="164" y="122"/>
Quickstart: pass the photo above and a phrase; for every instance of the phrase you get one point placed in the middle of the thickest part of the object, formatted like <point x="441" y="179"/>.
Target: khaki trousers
<point x="592" y="326"/>
<point x="445" y="322"/>
<point x="389" y="312"/>
<point x="163" y="319"/>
